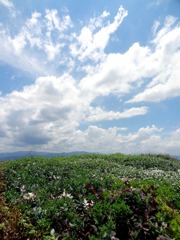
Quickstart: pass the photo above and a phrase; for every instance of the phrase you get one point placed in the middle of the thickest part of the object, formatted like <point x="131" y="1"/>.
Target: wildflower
<point x="52" y="232"/>
<point x="64" y="194"/>
<point x="29" y="196"/>
<point x="87" y="204"/>
<point x="22" y="188"/>
<point x="56" y="177"/>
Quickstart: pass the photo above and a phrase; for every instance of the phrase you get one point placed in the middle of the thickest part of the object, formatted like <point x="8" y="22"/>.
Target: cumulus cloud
<point x="120" y="73"/>
<point x="169" y="143"/>
<point x="155" y="65"/>
<point x="2" y="133"/>
<point x="145" y="140"/>
<point x="48" y="114"/>
<point x="41" y="110"/>
<point x="28" y="137"/>
<point x="165" y="57"/>
<point x="50" y="110"/>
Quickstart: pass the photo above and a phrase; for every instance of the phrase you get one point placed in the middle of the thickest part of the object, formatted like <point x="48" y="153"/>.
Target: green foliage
<point x="93" y="197"/>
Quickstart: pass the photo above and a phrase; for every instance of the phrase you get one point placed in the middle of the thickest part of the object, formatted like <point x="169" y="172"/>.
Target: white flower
<point x="22" y="188"/>
<point x="56" y="177"/>
<point x="87" y="204"/>
<point x="29" y="196"/>
<point x="52" y="232"/>
<point x="64" y="194"/>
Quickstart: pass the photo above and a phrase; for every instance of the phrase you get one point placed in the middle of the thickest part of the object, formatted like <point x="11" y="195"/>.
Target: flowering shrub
<point x="93" y="197"/>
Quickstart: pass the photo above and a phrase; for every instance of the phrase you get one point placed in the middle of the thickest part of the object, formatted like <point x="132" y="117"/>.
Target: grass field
<point x="90" y="197"/>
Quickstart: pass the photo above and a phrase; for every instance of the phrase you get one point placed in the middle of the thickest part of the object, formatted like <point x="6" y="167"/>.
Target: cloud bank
<point x="72" y="69"/>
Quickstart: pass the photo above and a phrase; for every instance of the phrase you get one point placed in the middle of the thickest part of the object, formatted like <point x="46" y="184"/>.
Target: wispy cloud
<point x="10" y="6"/>
<point x="98" y="114"/>
<point x="156" y="3"/>
<point x="34" y="42"/>
<point x="49" y="37"/>
<point x="93" y="39"/>
<point x="7" y="3"/>
<point x="155" y="27"/>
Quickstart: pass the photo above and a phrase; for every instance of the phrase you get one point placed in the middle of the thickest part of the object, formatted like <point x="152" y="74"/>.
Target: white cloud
<point x="155" y="27"/>
<point x="54" y="22"/>
<point x="10" y="6"/>
<point x="12" y="53"/>
<point x="18" y="43"/>
<point x="161" y="91"/>
<point x="36" y="43"/>
<point x="156" y="3"/>
<point x="35" y="50"/>
<point x="48" y="114"/>
<point x="7" y="3"/>
<point x="52" y="119"/>
<point x="165" y="59"/>
<point x="42" y="111"/>
<point x="170" y="143"/>
<point x="52" y="51"/>
<point x="163" y="32"/>
<point x="119" y="73"/>
<point x="50" y="100"/>
<point x="98" y="114"/>
<point x="45" y="44"/>
<point x="98" y="22"/>
<point x="33" y="21"/>
<point x="91" y="43"/>
<point x="145" y="140"/>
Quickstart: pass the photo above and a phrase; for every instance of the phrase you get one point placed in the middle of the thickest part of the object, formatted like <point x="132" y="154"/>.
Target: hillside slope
<point x="93" y="197"/>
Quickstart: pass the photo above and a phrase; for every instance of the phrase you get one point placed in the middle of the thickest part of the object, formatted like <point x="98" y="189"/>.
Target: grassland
<point x="91" y="197"/>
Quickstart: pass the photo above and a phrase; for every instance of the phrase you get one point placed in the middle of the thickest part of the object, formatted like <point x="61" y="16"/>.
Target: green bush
<point x="95" y="197"/>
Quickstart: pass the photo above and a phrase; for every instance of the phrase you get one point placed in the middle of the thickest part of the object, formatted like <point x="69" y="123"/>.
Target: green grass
<point x="92" y="197"/>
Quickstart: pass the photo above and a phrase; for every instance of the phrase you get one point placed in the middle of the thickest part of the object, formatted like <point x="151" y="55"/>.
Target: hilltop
<point x="23" y="154"/>
<point x="91" y="196"/>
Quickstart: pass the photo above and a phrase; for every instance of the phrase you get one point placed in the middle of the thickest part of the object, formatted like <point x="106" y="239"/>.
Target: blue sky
<point x="96" y="76"/>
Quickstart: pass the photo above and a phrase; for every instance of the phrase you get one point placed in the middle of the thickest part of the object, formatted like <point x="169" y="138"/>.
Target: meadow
<point x="91" y="197"/>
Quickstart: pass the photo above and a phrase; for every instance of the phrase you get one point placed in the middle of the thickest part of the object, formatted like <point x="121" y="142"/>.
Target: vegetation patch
<point x="91" y="197"/>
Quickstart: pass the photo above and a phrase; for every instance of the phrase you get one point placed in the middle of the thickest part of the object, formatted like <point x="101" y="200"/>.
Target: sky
<point x="96" y="76"/>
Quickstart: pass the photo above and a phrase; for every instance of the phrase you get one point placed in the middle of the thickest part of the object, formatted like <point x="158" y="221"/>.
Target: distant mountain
<point x="17" y="155"/>
<point x="22" y="154"/>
